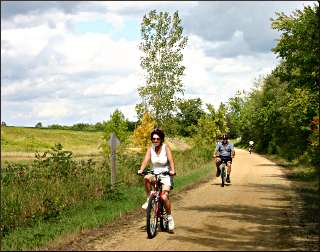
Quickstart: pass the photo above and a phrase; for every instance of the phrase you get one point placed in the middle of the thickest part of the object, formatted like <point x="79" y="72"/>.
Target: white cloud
<point x="121" y="86"/>
<point x="55" y="109"/>
<point x="52" y="73"/>
<point x="216" y="79"/>
<point x="28" y="41"/>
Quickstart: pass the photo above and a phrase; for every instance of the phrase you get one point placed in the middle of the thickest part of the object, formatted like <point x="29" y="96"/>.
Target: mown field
<point x="18" y="143"/>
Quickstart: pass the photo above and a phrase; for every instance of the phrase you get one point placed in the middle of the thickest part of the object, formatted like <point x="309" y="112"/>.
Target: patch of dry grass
<point x="18" y="143"/>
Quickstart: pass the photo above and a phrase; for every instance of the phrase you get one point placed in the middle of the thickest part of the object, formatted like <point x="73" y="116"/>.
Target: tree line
<point x="281" y="114"/>
<point x="95" y="127"/>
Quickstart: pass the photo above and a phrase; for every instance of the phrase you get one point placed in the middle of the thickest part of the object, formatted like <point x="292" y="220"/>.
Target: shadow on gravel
<point x="307" y="205"/>
<point x="282" y="176"/>
<point x="274" y="230"/>
<point x="219" y="184"/>
<point x="267" y="187"/>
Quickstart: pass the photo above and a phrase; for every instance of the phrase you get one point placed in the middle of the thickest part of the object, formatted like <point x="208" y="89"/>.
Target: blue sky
<point x="77" y="61"/>
<point x="130" y="30"/>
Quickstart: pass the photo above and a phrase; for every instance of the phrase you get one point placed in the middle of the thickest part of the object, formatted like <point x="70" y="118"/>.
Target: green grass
<point x="18" y="144"/>
<point x="19" y="139"/>
<point x="181" y="182"/>
<point x="298" y="171"/>
<point x="87" y="215"/>
<point x="83" y="216"/>
<point x="91" y="214"/>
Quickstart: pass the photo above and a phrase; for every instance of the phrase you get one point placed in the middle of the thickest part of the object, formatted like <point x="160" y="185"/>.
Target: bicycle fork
<point x="156" y="197"/>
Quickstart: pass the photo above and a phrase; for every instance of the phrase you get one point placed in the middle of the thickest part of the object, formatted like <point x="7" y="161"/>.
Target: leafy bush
<point x="44" y="188"/>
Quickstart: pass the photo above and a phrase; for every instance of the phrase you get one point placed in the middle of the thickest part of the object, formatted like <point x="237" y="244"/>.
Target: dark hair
<point x="225" y="136"/>
<point x="158" y="132"/>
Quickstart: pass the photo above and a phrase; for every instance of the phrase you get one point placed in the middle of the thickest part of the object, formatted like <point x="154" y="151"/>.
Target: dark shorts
<point x="226" y="159"/>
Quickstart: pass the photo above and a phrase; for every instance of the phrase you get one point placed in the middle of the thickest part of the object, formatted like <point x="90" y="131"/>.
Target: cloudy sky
<point x="71" y="62"/>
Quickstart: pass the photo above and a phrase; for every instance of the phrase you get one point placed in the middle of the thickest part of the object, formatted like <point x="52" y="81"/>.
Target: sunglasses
<point x="155" y="138"/>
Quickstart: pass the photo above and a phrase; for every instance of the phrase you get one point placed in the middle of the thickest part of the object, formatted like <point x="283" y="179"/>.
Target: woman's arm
<point x="170" y="158"/>
<point x="145" y="160"/>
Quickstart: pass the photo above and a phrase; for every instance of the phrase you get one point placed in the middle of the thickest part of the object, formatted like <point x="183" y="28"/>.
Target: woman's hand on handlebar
<point x="140" y="172"/>
<point x="172" y="173"/>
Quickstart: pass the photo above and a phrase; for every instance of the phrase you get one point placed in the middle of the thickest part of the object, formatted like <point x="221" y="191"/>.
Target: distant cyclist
<point x="162" y="160"/>
<point x="251" y="143"/>
<point x="224" y="151"/>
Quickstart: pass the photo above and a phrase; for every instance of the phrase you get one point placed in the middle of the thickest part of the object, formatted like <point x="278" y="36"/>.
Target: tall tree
<point x="189" y="112"/>
<point x="234" y="108"/>
<point x="38" y="125"/>
<point x="162" y="44"/>
<point x="141" y="134"/>
<point x="282" y="114"/>
<point x="116" y="124"/>
<point x="210" y="127"/>
<point x="299" y="47"/>
<point x="221" y="120"/>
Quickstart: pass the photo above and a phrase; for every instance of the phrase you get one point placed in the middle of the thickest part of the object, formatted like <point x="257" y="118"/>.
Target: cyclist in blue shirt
<point x="224" y="151"/>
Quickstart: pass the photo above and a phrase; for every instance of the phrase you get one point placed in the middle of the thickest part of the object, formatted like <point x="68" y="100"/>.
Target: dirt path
<point x="253" y="213"/>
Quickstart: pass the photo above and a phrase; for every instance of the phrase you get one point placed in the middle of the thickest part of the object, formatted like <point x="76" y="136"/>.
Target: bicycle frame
<point x="223" y="173"/>
<point x="155" y="210"/>
<point x="250" y="149"/>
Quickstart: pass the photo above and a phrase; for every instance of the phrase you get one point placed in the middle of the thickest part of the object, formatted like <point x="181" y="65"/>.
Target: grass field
<point x="18" y="143"/>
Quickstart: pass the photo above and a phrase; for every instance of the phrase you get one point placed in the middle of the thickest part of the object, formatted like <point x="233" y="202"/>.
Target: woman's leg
<point x="165" y="198"/>
<point x="167" y="206"/>
<point x="229" y="167"/>
<point x="147" y="184"/>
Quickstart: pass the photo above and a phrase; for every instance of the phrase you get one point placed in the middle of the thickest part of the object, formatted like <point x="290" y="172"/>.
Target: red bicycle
<point x="156" y="212"/>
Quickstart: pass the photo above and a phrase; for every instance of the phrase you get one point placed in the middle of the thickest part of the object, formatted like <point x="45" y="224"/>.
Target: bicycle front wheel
<point x="223" y="174"/>
<point x="152" y="217"/>
<point x="164" y="226"/>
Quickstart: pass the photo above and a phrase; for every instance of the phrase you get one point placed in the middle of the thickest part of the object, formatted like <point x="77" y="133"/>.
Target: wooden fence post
<point x="113" y="142"/>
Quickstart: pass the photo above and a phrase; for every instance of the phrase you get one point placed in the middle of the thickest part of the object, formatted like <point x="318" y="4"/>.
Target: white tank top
<point x="159" y="161"/>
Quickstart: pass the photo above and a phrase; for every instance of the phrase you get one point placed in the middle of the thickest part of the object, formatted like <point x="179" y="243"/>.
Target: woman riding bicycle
<point x="162" y="160"/>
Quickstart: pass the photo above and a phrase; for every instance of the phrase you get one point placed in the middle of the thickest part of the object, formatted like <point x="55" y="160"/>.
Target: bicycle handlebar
<point x="152" y="172"/>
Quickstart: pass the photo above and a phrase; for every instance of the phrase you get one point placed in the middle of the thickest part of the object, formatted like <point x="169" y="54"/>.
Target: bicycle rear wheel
<point x="164" y="226"/>
<point x="152" y="217"/>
